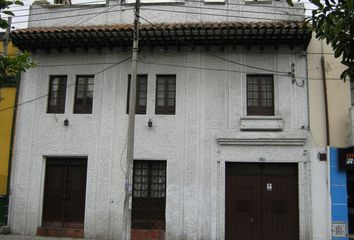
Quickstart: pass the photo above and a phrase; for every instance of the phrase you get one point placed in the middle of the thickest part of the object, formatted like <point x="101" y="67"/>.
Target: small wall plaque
<point x="339" y="229"/>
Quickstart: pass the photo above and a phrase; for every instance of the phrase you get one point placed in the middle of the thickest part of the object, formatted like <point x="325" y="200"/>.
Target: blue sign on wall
<point x="338" y="193"/>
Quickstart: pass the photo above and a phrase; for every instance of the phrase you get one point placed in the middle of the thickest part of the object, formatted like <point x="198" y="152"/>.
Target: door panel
<point x="64" y="193"/>
<point x="53" y="194"/>
<point x="242" y="206"/>
<point x="261" y="202"/>
<point x="280" y="208"/>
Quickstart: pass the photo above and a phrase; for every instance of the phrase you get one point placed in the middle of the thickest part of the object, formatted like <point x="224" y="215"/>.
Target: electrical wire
<point x="205" y="7"/>
<point x="29" y="5"/>
<point x="210" y="14"/>
<point x="70" y="85"/>
<point x="237" y="10"/>
<point x="222" y="70"/>
<point x="219" y="57"/>
<point x="85" y="14"/>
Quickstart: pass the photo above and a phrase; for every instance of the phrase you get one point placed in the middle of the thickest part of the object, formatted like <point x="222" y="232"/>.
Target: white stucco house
<point x="227" y="152"/>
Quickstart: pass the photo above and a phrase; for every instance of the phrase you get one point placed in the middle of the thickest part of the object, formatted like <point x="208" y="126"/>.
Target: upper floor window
<point x="57" y="94"/>
<point x="141" y="94"/>
<point x="83" y="94"/>
<point x="165" y="94"/>
<point x="260" y="95"/>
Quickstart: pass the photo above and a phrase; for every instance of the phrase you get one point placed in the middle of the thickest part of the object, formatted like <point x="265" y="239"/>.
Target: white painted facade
<point x="210" y="128"/>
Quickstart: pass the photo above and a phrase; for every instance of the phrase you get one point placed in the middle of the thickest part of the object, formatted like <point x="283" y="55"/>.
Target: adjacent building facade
<point x="223" y="148"/>
<point x="331" y="122"/>
<point x="8" y="93"/>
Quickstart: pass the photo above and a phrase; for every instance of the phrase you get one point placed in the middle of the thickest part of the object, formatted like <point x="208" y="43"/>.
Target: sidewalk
<point x="22" y="237"/>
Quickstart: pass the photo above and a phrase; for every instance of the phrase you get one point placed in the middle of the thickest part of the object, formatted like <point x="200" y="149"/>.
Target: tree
<point x="11" y="66"/>
<point x="333" y="21"/>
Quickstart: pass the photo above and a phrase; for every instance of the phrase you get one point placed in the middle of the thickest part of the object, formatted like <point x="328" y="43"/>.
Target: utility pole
<point x="131" y="128"/>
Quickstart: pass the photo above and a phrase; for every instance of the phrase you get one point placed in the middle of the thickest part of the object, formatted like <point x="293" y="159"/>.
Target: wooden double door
<point x="261" y="202"/>
<point x="64" y="193"/>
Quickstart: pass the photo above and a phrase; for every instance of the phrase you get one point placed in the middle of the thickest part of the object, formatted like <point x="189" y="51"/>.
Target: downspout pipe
<point x="323" y="67"/>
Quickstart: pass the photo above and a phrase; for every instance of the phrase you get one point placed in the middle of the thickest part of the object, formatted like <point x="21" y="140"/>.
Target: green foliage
<point x="11" y="66"/>
<point x="333" y="21"/>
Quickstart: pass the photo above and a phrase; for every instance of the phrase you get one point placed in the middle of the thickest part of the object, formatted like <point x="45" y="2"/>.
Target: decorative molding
<point x="266" y="123"/>
<point x="285" y="138"/>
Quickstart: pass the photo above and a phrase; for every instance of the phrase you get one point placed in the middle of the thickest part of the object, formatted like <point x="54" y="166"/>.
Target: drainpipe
<point x="326" y="99"/>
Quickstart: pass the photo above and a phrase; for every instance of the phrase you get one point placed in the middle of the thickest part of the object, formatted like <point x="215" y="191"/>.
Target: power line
<point x="238" y="10"/>
<point x="222" y="58"/>
<point x="76" y="9"/>
<point x="210" y="14"/>
<point x="176" y="11"/>
<point x="70" y="85"/>
<point x="29" y="5"/>
<point x="180" y="6"/>
<point x="258" y="5"/>
<point x="85" y="14"/>
<point x="223" y="70"/>
<point x="241" y="64"/>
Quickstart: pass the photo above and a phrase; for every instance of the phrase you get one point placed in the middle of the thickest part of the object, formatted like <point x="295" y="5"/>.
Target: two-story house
<point x="222" y="148"/>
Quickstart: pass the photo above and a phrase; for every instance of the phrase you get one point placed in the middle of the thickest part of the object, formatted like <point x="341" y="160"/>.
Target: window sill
<point x="261" y="123"/>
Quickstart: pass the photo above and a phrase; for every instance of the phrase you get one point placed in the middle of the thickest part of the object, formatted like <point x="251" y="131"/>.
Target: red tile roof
<point x="285" y="32"/>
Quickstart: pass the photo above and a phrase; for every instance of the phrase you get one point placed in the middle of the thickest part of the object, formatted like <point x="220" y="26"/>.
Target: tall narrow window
<point x="57" y="94"/>
<point x="149" y="195"/>
<point x="84" y="94"/>
<point x="165" y="94"/>
<point x="141" y="94"/>
<point x="260" y="95"/>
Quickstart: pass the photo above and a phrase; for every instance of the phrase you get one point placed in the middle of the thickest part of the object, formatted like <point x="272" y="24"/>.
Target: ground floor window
<point x="149" y="195"/>
<point x="64" y="193"/>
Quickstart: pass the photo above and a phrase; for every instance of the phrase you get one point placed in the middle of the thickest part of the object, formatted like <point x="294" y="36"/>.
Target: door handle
<point x="251" y="220"/>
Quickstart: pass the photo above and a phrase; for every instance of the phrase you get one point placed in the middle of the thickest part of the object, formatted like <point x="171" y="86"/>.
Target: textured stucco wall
<point x="208" y="104"/>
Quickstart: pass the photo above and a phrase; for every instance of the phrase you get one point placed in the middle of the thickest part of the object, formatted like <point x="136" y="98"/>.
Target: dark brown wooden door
<point x="261" y="202"/>
<point x="64" y="193"/>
